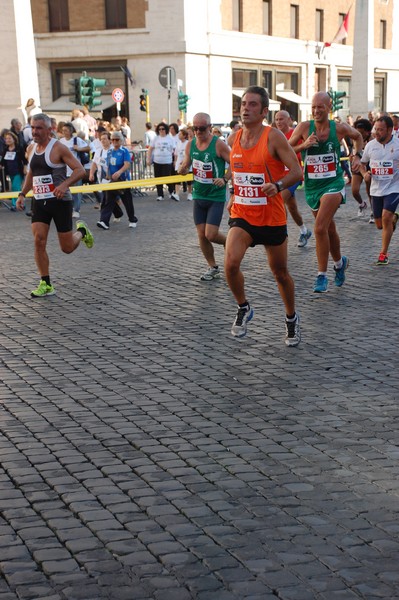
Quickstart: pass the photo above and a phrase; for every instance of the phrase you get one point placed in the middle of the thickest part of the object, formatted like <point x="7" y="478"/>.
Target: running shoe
<point x="382" y="259"/>
<point x="175" y="197"/>
<point x="88" y="237"/>
<point x="303" y="238"/>
<point x="133" y="224"/>
<point x="321" y="284"/>
<point x="293" y="332"/>
<point x="362" y="209"/>
<point x="42" y="290"/>
<point x="244" y="315"/>
<point x="371" y="219"/>
<point x="340" y="273"/>
<point x="211" y="273"/>
<point x="160" y="198"/>
<point x="116" y="220"/>
<point x="102" y="225"/>
<point x="189" y="197"/>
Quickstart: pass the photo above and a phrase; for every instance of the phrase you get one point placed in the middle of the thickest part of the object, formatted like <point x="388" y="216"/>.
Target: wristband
<point x="225" y="180"/>
<point x="21" y="194"/>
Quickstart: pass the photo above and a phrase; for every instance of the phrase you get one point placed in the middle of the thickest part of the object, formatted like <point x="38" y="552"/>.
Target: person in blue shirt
<point x="118" y="170"/>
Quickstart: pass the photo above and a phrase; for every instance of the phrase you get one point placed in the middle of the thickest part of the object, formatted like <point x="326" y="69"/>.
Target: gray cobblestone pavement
<point x="146" y="454"/>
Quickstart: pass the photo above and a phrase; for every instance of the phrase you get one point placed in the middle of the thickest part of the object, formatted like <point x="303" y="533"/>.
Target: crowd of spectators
<point x="160" y="147"/>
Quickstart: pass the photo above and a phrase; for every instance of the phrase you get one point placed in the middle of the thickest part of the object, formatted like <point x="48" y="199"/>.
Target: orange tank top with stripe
<point x="249" y="174"/>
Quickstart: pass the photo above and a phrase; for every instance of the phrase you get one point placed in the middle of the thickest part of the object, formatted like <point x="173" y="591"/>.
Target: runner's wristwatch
<point x="279" y="185"/>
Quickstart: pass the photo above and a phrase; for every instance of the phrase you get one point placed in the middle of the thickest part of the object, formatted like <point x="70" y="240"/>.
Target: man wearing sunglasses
<point x="208" y="156"/>
<point x="262" y="165"/>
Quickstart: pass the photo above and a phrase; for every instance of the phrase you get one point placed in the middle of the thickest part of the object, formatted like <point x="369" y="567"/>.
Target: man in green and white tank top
<point x="319" y="142"/>
<point x="208" y="155"/>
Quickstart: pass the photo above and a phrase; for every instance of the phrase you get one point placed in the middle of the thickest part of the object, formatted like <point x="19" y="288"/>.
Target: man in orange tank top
<point x="259" y="157"/>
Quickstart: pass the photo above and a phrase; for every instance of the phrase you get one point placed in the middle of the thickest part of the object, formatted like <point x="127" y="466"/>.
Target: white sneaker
<point x="102" y="225"/>
<point x="116" y="219"/>
<point x="244" y="315"/>
<point x="160" y="198"/>
<point x="175" y="197"/>
<point x="293" y="332"/>
<point x="76" y="214"/>
<point x="133" y="225"/>
<point x="211" y="273"/>
<point x="190" y="197"/>
<point x="362" y="208"/>
<point x="371" y="219"/>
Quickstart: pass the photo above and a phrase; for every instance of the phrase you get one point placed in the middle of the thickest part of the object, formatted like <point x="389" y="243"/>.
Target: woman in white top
<point x="160" y="153"/>
<point x="76" y="145"/>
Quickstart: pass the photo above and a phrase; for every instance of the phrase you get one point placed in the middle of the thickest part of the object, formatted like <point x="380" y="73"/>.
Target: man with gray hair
<point x="52" y="200"/>
<point x="17" y="129"/>
<point x="208" y="155"/>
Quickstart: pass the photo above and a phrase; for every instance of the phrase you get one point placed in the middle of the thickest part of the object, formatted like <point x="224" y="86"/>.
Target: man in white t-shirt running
<point x="380" y="166"/>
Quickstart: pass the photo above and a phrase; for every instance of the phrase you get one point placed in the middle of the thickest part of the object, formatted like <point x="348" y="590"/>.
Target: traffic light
<point x="84" y="90"/>
<point x="143" y="103"/>
<point x="94" y="93"/>
<point x="74" y="91"/>
<point x="182" y="101"/>
<point x="337" y="99"/>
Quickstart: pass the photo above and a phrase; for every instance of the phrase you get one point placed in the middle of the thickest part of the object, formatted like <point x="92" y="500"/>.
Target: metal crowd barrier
<point x="5" y="186"/>
<point x="141" y="170"/>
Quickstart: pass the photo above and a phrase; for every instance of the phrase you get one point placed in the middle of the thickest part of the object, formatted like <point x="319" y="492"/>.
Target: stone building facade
<point x="216" y="48"/>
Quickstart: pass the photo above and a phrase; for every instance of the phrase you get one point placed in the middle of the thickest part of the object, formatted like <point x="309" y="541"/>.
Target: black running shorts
<point x="60" y="211"/>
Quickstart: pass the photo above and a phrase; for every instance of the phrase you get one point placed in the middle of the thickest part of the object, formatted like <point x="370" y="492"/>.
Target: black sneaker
<point x="293" y="332"/>
<point x="102" y="225"/>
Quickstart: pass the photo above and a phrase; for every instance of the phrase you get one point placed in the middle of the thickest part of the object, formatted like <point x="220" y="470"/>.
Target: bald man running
<point x="283" y="122"/>
<point x="319" y="141"/>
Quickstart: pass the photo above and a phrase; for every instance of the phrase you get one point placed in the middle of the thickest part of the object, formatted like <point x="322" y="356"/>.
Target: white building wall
<point x="18" y="70"/>
<point x="220" y="82"/>
<point x="187" y="36"/>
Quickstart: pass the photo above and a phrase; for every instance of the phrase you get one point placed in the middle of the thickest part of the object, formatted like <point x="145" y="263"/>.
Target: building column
<point x="362" y="84"/>
<point x="18" y="72"/>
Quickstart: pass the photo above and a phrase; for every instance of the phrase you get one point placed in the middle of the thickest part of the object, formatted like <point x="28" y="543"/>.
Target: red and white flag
<point x="342" y="32"/>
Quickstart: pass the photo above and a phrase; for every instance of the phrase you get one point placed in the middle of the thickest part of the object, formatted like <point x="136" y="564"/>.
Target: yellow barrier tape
<point x="117" y="185"/>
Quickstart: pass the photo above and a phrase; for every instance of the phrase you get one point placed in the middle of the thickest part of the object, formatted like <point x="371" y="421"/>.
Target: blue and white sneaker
<point x="321" y="285"/>
<point x="303" y="238"/>
<point x="244" y="315"/>
<point x="340" y="273"/>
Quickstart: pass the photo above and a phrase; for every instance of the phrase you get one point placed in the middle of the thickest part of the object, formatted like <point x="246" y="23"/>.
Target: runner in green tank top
<point x="208" y="156"/>
<point x="319" y="141"/>
<point x="207" y="166"/>
<point x="323" y="173"/>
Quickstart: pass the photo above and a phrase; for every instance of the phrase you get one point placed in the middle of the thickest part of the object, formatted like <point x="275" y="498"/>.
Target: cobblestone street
<point x="146" y="454"/>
